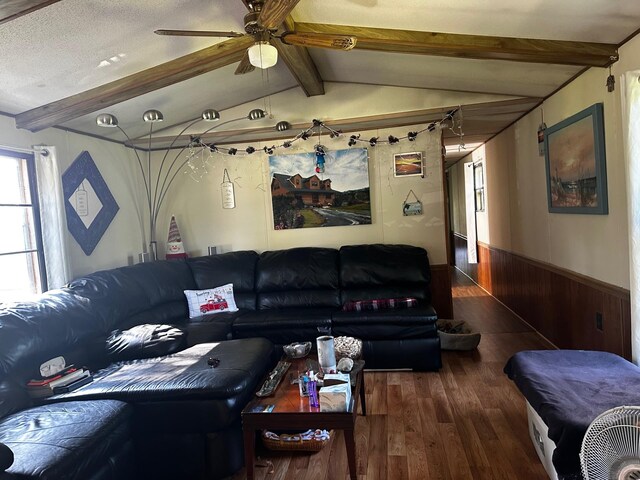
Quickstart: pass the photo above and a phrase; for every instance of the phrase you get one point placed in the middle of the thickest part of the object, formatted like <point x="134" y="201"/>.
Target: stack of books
<point x="66" y="381"/>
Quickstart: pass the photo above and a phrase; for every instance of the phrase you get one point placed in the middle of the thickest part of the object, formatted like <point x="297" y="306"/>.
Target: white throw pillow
<point x="215" y="300"/>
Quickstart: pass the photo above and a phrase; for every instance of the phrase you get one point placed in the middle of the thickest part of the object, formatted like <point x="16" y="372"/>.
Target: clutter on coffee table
<point x="309" y="441"/>
<point x="297" y="349"/>
<point x="348" y="347"/>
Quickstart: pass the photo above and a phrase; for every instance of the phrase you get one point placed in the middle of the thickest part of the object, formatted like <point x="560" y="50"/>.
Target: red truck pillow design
<point x="207" y="302"/>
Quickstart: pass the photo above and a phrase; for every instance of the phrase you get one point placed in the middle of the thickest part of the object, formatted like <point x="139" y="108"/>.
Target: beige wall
<point x="197" y="205"/>
<point x="517" y="217"/>
<point x="120" y="241"/>
<point x="203" y="221"/>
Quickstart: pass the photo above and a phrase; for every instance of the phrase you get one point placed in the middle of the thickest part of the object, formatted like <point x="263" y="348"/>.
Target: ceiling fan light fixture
<point x="263" y="55"/>
<point x="107" y="120"/>
<point x="153" y="116"/>
<point x="210" y="115"/>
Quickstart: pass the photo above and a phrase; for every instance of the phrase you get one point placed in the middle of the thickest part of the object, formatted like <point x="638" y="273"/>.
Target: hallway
<point x="466" y="421"/>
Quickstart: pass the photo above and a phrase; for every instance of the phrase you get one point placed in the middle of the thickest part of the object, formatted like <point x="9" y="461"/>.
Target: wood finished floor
<point x="466" y="421"/>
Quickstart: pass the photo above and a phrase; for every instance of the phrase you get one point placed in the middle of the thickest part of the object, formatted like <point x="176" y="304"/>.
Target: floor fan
<point x="611" y="447"/>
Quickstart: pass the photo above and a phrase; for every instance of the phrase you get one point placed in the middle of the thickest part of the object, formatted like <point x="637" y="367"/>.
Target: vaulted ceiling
<point x="63" y="61"/>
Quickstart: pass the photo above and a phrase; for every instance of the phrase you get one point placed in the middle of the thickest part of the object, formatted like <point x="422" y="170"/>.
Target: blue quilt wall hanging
<point x="88" y="202"/>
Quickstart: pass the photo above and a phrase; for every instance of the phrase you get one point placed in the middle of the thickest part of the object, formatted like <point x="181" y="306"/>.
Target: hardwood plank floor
<point x="467" y="421"/>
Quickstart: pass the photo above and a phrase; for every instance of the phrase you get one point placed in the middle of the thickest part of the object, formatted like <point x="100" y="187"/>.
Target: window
<point x="21" y="253"/>
<point x="478" y="185"/>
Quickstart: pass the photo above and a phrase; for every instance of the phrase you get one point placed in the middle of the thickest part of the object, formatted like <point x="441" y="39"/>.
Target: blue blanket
<point x="569" y="389"/>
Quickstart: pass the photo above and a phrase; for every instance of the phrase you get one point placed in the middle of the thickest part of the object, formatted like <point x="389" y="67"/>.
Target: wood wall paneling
<point x="461" y="257"/>
<point x="560" y="304"/>
<point x="441" y="290"/>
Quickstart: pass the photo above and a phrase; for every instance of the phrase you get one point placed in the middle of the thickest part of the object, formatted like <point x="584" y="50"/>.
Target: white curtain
<point x="631" y="127"/>
<point x="52" y="216"/>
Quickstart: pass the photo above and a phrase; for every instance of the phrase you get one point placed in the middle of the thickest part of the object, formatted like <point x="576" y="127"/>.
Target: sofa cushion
<point x="66" y="440"/>
<point x="384" y="271"/>
<point x="166" y="313"/>
<point x="237" y="268"/>
<point x="379" y="304"/>
<point x="209" y="328"/>
<point x="181" y="392"/>
<point x="298" y="277"/>
<point x="57" y="323"/>
<point x="13" y="397"/>
<point x="162" y="281"/>
<point x="144" y="341"/>
<point x="283" y="326"/>
<point x="419" y="322"/>
<point x="118" y="294"/>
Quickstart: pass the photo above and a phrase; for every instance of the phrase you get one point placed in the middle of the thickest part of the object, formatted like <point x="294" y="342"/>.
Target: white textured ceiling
<point x="422" y="71"/>
<point x="608" y="21"/>
<point x="74" y="45"/>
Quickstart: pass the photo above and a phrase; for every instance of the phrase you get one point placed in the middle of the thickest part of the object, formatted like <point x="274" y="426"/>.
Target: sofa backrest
<point x="238" y="268"/>
<point x="375" y="271"/>
<point x="59" y="323"/>
<point x="298" y="277"/>
<point x="143" y="293"/>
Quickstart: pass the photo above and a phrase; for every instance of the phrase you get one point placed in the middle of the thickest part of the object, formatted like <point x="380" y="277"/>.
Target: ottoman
<point x="186" y="421"/>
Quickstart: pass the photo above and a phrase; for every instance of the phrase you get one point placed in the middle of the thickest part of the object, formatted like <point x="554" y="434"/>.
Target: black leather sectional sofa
<point x="171" y="409"/>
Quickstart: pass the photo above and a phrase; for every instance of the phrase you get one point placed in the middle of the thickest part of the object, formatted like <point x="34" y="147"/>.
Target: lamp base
<point x="144" y="257"/>
<point x="153" y="250"/>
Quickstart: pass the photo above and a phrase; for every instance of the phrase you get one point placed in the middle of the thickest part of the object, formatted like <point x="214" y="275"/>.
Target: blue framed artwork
<point x="576" y="165"/>
<point x="88" y="202"/>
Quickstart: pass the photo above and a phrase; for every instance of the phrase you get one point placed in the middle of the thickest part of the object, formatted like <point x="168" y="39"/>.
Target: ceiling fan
<point x="262" y="23"/>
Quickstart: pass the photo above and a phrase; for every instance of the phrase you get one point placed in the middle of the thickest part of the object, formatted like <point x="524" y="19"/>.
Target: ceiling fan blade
<point x="245" y="65"/>
<point x="198" y="33"/>
<point x="337" y="42"/>
<point x="274" y="12"/>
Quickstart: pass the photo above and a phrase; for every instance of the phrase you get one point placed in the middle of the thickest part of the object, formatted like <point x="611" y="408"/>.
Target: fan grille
<point x="611" y="447"/>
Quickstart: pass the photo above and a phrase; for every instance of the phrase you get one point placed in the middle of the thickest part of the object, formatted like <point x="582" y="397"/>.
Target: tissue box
<point x="335" y="395"/>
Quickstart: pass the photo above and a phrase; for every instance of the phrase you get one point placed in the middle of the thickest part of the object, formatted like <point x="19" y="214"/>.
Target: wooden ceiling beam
<point x="274" y="12"/>
<point x="300" y="64"/>
<point x="370" y="122"/>
<point x="472" y="46"/>
<point x="12" y="9"/>
<point x="178" y="70"/>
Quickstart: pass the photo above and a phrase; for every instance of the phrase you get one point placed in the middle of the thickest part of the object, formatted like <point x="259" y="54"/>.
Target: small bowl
<point x="297" y="349"/>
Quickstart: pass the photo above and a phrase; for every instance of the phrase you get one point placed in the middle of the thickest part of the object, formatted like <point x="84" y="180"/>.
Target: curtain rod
<point x="35" y="149"/>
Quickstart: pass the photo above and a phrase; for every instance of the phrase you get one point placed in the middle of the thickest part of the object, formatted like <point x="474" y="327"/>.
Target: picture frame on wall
<point x="408" y="164"/>
<point x="575" y="164"/>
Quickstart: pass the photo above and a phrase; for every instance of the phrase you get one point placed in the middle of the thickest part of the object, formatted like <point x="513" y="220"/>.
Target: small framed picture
<point x="407" y="164"/>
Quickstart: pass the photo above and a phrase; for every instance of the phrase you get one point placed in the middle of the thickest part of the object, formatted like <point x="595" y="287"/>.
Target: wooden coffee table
<point x="292" y="412"/>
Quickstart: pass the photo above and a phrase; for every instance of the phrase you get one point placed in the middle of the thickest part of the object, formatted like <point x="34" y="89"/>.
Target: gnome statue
<point x="175" y="248"/>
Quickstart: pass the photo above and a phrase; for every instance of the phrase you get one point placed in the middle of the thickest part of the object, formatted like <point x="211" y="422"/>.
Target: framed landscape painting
<point x="303" y="197"/>
<point x="407" y="164"/>
<point x="576" y="165"/>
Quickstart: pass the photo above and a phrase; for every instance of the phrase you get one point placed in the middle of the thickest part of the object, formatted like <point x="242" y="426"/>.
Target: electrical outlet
<point x="599" y="321"/>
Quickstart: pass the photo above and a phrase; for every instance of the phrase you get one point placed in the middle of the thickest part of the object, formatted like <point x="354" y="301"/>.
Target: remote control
<point x="271" y="383"/>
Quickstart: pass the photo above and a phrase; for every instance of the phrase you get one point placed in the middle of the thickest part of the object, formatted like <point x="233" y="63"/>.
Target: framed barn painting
<point x="303" y="197"/>
<point x="576" y="165"/>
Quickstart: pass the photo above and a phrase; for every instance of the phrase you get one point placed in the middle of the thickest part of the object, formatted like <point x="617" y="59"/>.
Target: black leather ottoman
<point x="86" y="440"/>
<point x="182" y="405"/>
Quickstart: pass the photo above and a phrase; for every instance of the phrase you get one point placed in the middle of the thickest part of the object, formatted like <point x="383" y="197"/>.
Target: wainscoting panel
<point x="562" y="305"/>
<point x="462" y="257"/>
<point x="441" y="290"/>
